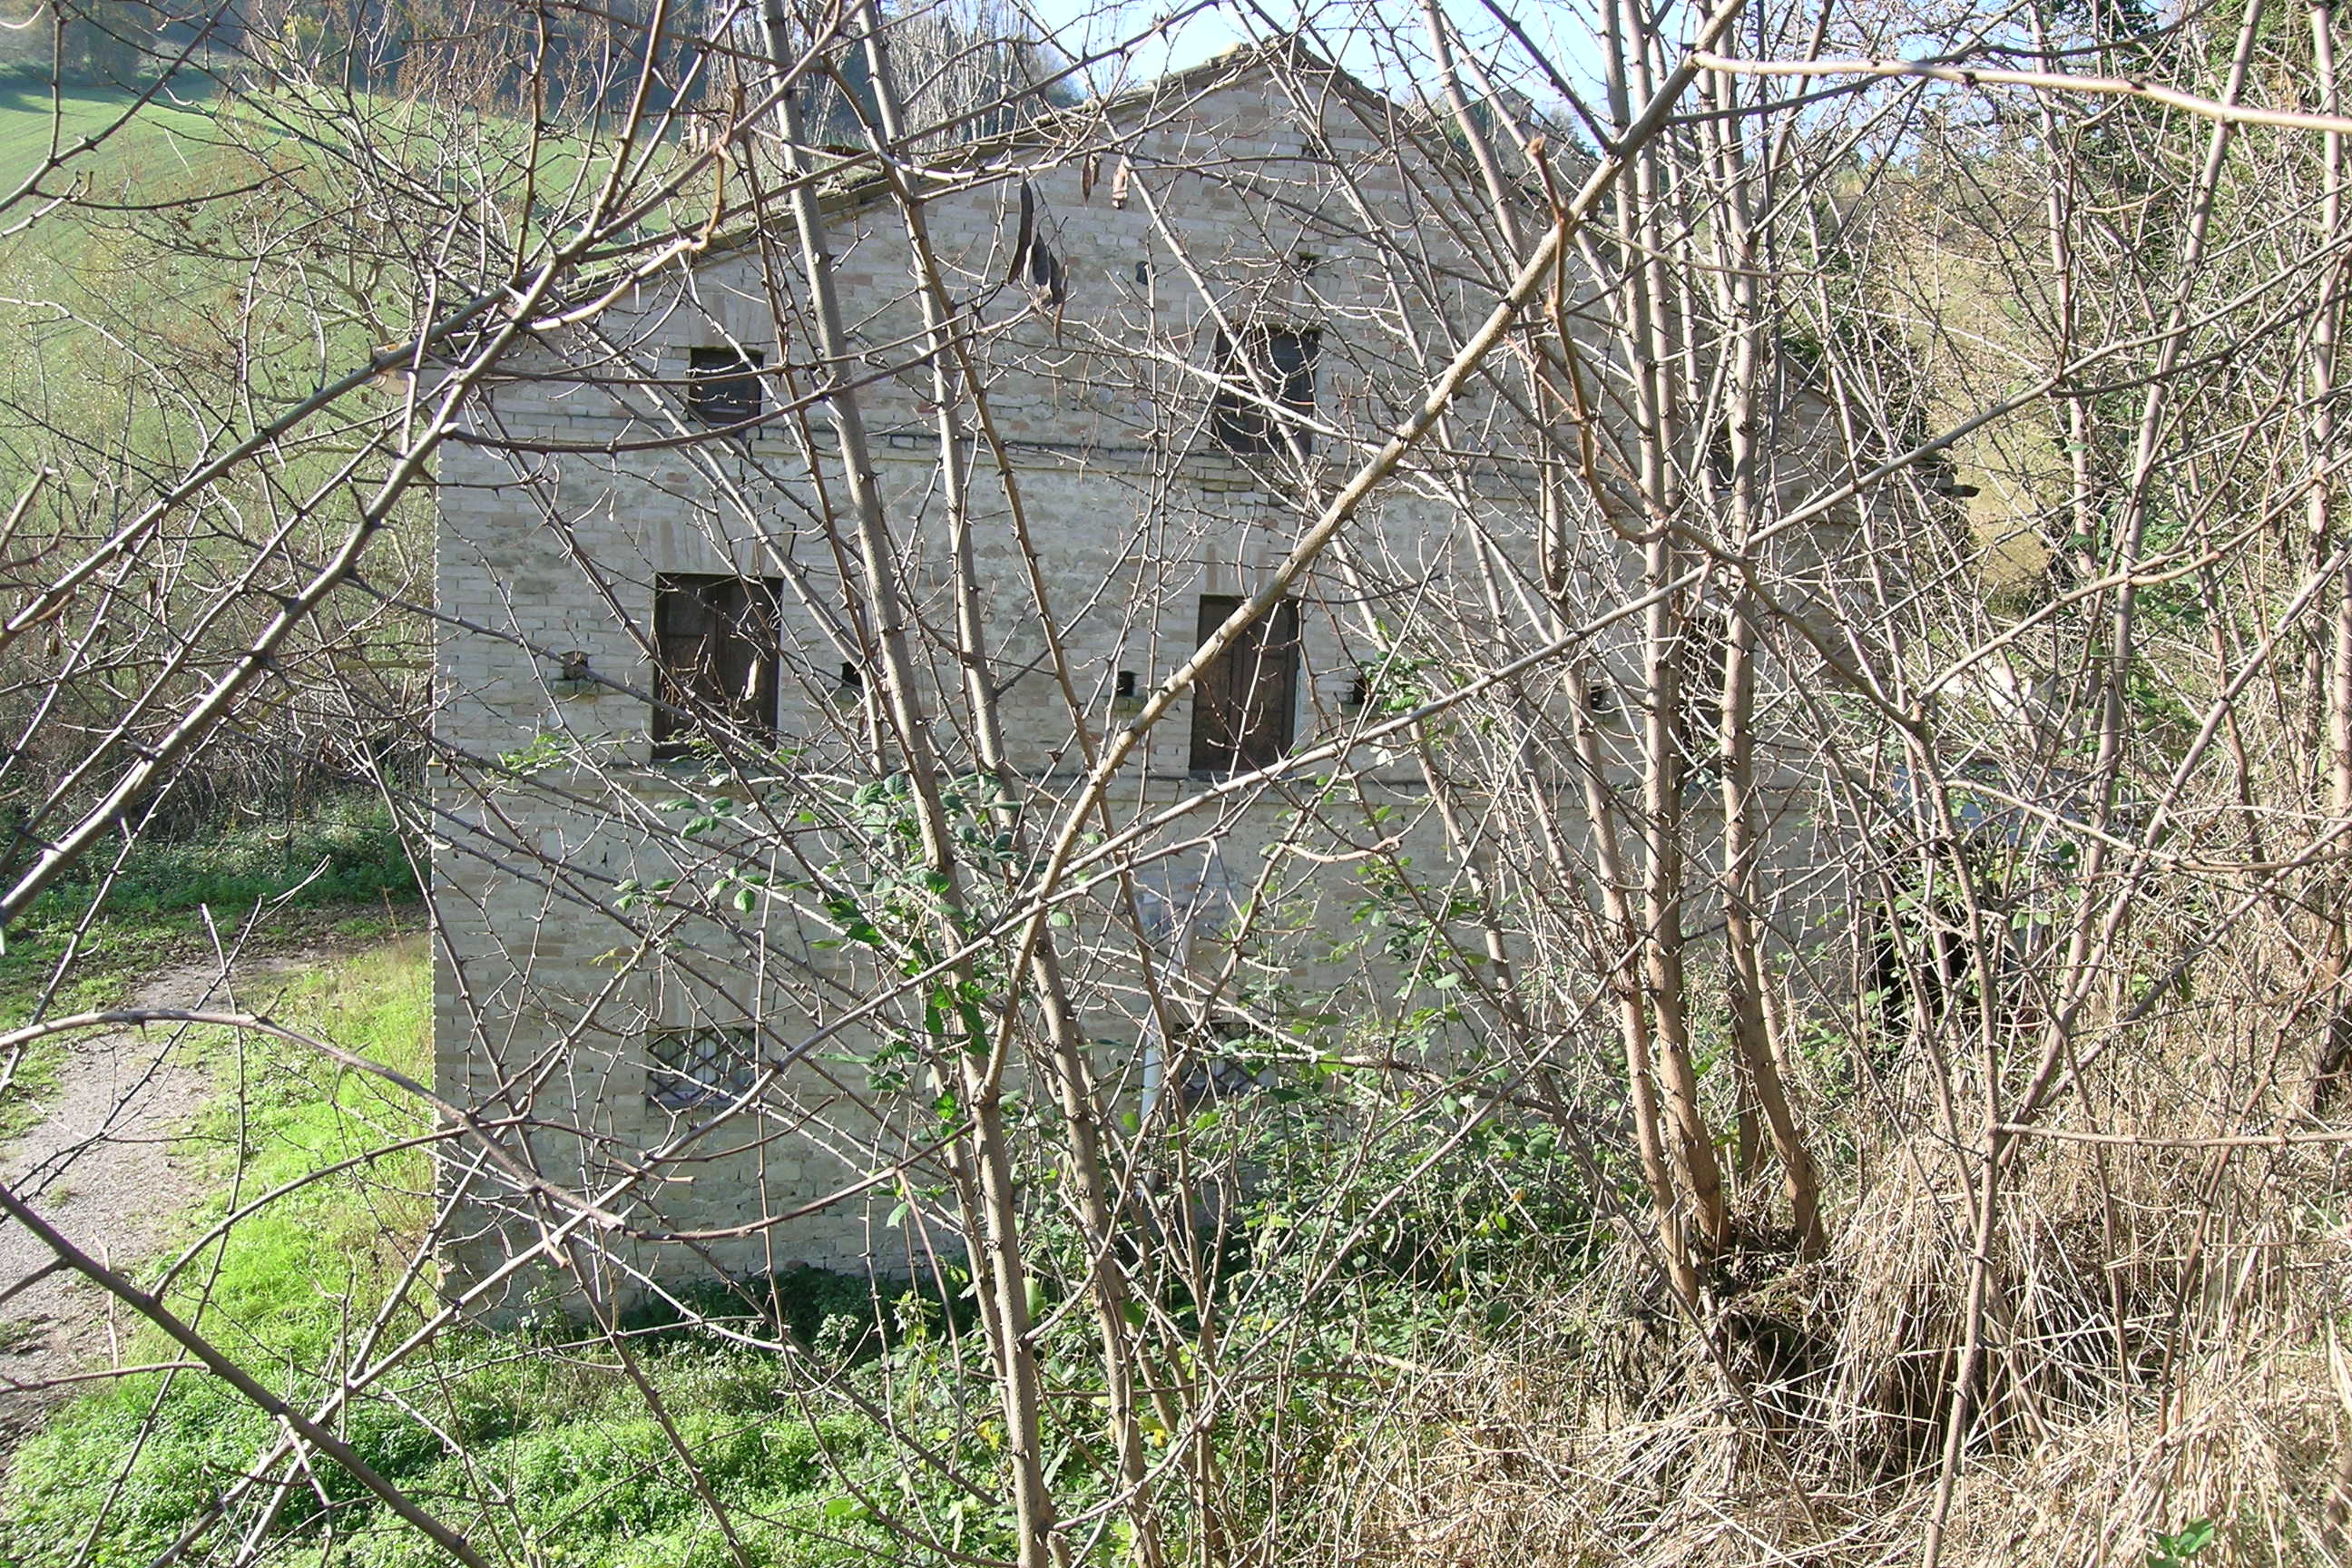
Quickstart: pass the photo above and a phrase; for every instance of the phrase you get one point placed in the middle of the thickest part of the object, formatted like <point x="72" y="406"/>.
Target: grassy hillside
<point x="160" y="314"/>
<point x="34" y="120"/>
<point x="116" y="339"/>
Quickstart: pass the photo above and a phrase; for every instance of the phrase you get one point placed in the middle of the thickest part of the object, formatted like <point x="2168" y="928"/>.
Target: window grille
<point x="686" y="1067"/>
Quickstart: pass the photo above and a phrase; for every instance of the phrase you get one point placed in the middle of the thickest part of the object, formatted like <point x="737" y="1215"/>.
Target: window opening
<point x="693" y="1067"/>
<point x="1282" y="360"/>
<point x="722" y="384"/>
<point x="715" y="639"/>
<point x="1242" y="702"/>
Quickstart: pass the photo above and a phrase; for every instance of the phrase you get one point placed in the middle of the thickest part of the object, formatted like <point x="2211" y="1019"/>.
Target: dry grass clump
<point x="2161" y="1348"/>
<point x="2253" y="1435"/>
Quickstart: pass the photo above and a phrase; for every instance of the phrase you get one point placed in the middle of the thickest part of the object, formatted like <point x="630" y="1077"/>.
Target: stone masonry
<point x="1232" y="199"/>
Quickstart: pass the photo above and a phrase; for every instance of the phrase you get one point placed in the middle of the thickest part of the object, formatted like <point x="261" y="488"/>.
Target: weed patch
<point x="549" y="1443"/>
<point x="344" y="860"/>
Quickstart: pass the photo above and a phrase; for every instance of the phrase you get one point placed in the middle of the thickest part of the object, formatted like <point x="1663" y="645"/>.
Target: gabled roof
<point x="853" y="183"/>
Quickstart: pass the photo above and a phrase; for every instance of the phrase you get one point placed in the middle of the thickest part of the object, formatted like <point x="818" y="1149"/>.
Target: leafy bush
<point x="345" y="850"/>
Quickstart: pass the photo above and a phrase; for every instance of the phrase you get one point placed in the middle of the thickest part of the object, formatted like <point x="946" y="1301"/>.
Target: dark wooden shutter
<point x="1243" y="702"/>
<point x="747" y="662"/>
<point x="682" y="626"/>
<point x="1235" y="417"/>
<point x="1291" y="357"/>
<point x="1214" y="718"/>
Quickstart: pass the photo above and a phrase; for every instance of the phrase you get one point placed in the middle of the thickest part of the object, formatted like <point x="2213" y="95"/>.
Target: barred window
<point x="686" y="1067"/>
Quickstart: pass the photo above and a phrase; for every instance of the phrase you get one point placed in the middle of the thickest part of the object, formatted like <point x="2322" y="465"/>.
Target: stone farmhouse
<point x="665" y="752"/>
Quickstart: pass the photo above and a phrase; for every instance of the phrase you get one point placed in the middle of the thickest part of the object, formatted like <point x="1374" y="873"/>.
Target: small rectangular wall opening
<point x="715" y="644"/>
<point x="722" y="384"/>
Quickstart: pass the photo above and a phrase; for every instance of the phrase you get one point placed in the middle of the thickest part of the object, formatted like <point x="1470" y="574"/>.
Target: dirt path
<point x="100" y="1167"/>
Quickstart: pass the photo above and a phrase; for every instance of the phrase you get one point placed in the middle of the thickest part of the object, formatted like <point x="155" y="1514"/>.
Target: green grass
<point x="341" y="868"/>
<point x="168" y="129"/>
<point x="554" y="1433"/>
<point x="345" y="857"/>
<point x="341" y="851"/>
<point x="284" y="1113"/>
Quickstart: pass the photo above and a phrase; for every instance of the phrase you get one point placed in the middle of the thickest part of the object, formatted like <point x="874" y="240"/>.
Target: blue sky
<point x="1382" y="41"/>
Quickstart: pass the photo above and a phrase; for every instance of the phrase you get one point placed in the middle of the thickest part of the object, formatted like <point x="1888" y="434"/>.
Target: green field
<point x="173" y="132"/>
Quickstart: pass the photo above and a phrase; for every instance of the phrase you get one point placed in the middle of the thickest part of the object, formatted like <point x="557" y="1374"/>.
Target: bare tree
<point x="1601" y="748"/>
